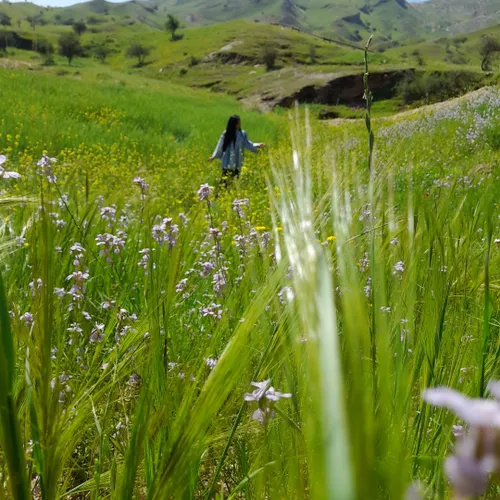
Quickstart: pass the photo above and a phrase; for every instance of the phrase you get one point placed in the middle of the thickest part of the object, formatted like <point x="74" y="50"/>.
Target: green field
<point x="229" y="59"/>
<point x="147" y="312"/>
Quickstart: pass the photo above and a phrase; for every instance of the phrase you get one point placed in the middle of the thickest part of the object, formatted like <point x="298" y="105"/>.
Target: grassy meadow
<point x="139" y="301"/>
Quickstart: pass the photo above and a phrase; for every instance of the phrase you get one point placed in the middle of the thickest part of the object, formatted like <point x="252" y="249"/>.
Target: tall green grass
<point x="44" y="112"/>
<point x="353" y="290"/>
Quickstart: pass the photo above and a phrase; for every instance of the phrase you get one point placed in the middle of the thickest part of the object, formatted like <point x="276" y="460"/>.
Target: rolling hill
<point x="459" y="16"/>
<point x="352" y="20"/>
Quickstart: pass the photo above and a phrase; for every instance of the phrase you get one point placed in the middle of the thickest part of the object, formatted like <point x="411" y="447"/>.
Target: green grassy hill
<point x="459" y="16"/>
<point x="461" y="50"/>
<point x="228" y="58"/>
<point x="353" y="20"/>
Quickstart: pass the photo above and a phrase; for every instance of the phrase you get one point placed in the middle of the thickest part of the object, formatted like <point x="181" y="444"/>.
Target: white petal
<point x="482" y="412"/>
<point x="445" y="397"/>
<point x="11" y="175"/>
<point x="414" y="492"/>
<point x="468" y="475"/>
<point x="261" y="385"/>
<point x="3" y="159"/>
<point x="494" y="388"/>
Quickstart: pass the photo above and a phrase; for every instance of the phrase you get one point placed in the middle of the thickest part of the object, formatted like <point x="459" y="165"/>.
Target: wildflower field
<point x="163" y="338"/>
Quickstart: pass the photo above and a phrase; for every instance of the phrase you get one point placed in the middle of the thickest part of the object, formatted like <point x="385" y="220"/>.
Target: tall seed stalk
<point x="368" y="97"/>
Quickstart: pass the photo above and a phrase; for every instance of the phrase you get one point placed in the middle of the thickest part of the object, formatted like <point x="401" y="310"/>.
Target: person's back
<point x="231" y="147"/>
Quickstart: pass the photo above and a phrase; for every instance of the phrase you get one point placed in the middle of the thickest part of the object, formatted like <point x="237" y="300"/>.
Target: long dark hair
<point x="231" y="129"/>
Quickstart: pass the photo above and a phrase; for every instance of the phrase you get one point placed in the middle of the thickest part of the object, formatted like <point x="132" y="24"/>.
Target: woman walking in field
<point x="231" y="147"/>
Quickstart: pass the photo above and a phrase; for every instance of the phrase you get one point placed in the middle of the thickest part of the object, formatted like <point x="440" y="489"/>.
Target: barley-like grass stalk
<point x="330" y="466"/>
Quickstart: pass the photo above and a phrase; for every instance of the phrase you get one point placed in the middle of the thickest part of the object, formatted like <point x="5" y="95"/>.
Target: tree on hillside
<point x="488" y="48"/>
<point x="6" y="40"/>
<point x="418" y="56"/>
<point x="34" y="21"/>
<point x="46" y="50"/>
<point x="5" y="20"/>
<point x="139" y="51"/>
<point x="79" y="28"/>
<point x="172" y="25"/>
<point x="69" y="46"/>
<point x="101" y="51"/>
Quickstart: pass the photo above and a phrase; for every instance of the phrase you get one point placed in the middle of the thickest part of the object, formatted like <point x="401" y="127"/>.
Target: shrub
<point x="488" y="49"/>
<point x="419" y="58"/>
<point x="46" y="50"/>
<point x="5" y="20"/>
<point x="79" y="28"/>
<point x="183" y="72"/>
<point x="139" y="51"/>
<point x="269" y="57"/>
<point x="312" y="54"/>
<point x="100" y="50"/>
<point x="436" y="86"/>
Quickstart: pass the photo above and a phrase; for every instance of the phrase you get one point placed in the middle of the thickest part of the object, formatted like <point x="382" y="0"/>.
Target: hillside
<point x="355" y="20"/>
<point x="352" y="20"/>
<point x="229" y="58"/>
<point x="459" y="16"/>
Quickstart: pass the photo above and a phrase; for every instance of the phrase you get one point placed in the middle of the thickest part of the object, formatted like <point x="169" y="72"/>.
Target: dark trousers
<point x="228" y="176"/>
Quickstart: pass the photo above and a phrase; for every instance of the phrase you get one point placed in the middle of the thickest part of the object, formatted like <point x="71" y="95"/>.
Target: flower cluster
<point x="111" y="244"/>
<point x="265" y="396"/>
<point x="204" y="192"/>
<point x="166" y="231"/>
<point x="45" y="168"/>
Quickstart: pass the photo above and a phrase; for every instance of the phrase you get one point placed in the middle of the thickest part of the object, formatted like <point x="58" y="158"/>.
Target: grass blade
<point x="10" y="435"/>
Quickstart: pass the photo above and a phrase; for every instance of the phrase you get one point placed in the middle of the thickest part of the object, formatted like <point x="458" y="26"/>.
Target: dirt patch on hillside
<point x="227" y="55"/>
<point x="13" y="64"/>
<point x="347" y="90"/>
<point x="230" y="46"/>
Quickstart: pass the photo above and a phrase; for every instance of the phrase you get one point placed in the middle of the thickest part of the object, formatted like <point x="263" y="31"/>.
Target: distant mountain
<point x="459" y="16"/>
<point x="354" y="20"/>
<point x="351" y="19"/>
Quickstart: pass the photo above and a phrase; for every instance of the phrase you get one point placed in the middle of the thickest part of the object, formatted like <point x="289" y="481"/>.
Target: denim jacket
<point x="232" y="158"/>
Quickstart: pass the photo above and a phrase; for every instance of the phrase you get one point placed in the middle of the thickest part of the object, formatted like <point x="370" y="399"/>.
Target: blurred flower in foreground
<point x="45" y="166"/>
<point x="4" y="174"/>
<point x="265" y="396"/>
<point x="477" y="454"/>
<point x="204" y="192"/>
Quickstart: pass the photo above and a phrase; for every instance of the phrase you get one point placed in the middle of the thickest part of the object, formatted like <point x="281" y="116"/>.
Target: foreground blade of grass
<point x="188" y="435"/>
<point x="332" y="470"/>
<point x="487" y="310"/>
<point x="231" y="435"/>
<point x="338" y="461"/>
<point x="133" y="456"/>
<point x="10" y="435"/>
